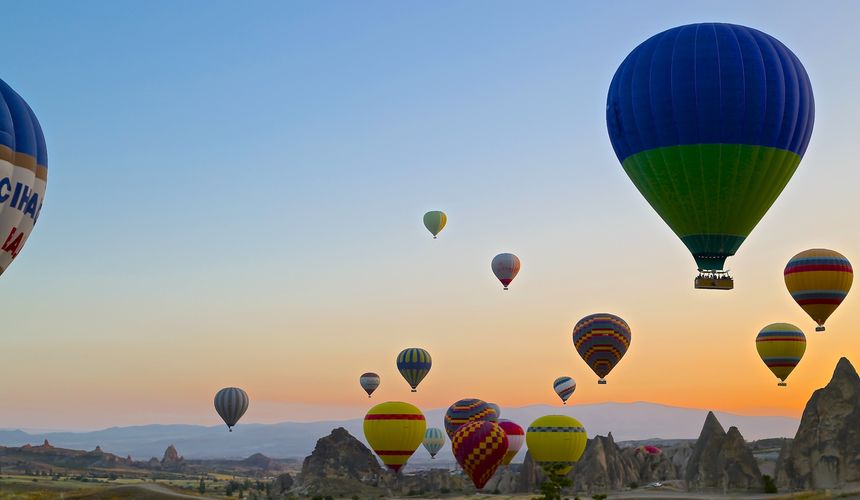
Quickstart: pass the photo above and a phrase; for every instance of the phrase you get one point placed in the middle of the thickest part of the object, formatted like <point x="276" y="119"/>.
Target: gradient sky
<point x="236" y="190"/>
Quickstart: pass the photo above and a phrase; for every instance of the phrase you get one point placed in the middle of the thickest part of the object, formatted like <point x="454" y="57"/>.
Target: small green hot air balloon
<point x="434" y="221"/>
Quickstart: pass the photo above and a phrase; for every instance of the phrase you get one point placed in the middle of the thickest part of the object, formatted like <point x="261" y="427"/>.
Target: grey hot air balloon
<point x="231" y="403"/>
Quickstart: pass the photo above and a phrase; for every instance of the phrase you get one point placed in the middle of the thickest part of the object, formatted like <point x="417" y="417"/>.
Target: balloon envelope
<point x="564" y="387"/>
<point x="516" y="438"/>
<point x="505" y="266"/>
<point x="465" y="411"/>
<point x="480" y="448"/>
<point x="556" y="442"/>
<point x="414" y="364"/>
<point x="781" y="346"/>
<point x="710" y="121"/>
<point x="434" y="440"/>
<point x="434" y="221"/>
<point x="23" y="173"/>
<point x="818" y="280"/>
<point x="496" y="408"/>
<point x="231" y="403"/>
<point x="601" y="340"/>
<point x="649" y="450"/>
<point x="394" y="430"/>
<point x="369" y="382"/>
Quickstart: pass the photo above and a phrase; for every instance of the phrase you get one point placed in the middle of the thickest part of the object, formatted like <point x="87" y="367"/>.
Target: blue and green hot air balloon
<point x="710" y="121"/>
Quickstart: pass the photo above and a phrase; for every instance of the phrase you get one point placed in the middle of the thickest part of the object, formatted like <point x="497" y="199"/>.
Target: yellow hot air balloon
<point x="818" y="280"/>
<point x="781" y="346"/>
<point x="434" y="221"/>
<point x="394" y="430"/>
<point x="556" y="442"/>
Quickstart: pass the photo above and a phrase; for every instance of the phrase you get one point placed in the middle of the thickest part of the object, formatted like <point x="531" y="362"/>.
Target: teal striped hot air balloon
<point x="414" y="364"/>
<point x="434" y="440"/>
<point x="710" y="121"/>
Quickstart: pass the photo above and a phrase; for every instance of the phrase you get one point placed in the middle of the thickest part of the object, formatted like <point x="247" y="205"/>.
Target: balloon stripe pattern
<point x="23" y="173"/>
<point x="231" y="403"/>
<point x="516" y="439"/>
<point x="818" y="280"/>
<point x="434" y="440"/>
<point x="601" y="340"/>
<point x="369" y="382"/>
<point x="394" y="430"/>
<point x="556" y="442"/>
<point x="435" y="221"/>
<point x="710" y="121"/>
<point x="564" y="387"/>
<point x="465" y="411"/>
<point x="480" y="448"/>
<point x="781" y="346"/>
<point x="414" y="364"/>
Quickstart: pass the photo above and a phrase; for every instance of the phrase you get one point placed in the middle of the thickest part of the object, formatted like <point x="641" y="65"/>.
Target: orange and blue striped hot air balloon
<point x="601" y="340"/>
<point x="781" y="345"/>
<point x="818" y="280"/>
<point x="467" y="410"/>
<point x="394" y="430"/>
<point x="414" y="364"/>
<point x="480" y="448"/>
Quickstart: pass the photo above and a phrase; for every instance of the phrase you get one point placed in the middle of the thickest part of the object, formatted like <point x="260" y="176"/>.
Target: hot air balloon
<point x="506" y="266"/>
<point x="516" y="438"/>
<point x="564" y="387"/>
<point x="369" y="382"/>
<point x="414" y="364"/>
<point x="818" y="281"/>
<point x="394" y="430"/>
<point x="601" y="340"/>
<point x="480" y="448"/>
<point x="649" y="450"/>
<point x="23" y="173"/>
<point x="710" y="121"/>
<point x="465" y="411"/>
<point x="231" y="403"/>
<point x="556" y="442"/>
<point x="781" y="346"/>
<point x="434" y="440"/>
<point x="496" y="408"/>
<point x="434" y="221"/>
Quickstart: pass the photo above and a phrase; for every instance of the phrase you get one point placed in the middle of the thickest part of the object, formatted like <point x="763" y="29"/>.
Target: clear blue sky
<point x="233" y="174"/>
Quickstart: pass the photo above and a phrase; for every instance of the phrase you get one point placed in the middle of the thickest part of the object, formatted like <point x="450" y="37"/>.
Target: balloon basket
<point x="782" y="384"/>
<point x="434" y="237"/>
<point x="716" y="280"/>
<point x="819" y="328"/>
<point x="505" y="288"/>
<point x="414" y="390"/>
<point x="601" y="382"/>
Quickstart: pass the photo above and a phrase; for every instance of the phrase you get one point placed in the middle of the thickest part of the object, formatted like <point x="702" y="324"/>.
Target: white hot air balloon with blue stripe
<point x="434" y="440"/>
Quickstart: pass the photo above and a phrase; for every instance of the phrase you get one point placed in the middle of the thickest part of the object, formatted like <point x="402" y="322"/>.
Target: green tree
<point x="202" y="486"/>
<point x="554" y="483"/>
<point x="769" y="484"/>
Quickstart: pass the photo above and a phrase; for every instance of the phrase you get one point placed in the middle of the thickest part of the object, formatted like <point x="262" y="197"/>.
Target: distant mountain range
<point x="626" y="421"/>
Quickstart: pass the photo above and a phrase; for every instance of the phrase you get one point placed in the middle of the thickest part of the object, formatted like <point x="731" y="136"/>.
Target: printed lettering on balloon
<point x="13" y="242"/>
<point x="22" y="198"/>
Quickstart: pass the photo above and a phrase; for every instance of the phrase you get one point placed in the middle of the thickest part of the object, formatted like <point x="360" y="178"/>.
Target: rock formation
<point x="721" y="461"/>
<point x="824" y="453"/>
<point x="339" y="464"/>
<point x="171" y="460"/>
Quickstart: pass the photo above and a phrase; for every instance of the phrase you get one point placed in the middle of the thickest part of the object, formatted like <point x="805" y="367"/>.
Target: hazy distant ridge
<point x="626" y="421"/>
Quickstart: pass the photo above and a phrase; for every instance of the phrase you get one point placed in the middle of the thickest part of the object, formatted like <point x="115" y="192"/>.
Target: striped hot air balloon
<point x="23" y="173"/>
<point x="781" y="345"/>
<point x="394" y="430"/>
<point x="434" y="440"/>
<point x="496" y="408"/>
<point x="231" y="403"/>
<point x="601" y="340"/>
<point x="516" y="438"/>
<point x="556" y="442"/>
<point x="435" y="221"/>
<point x="465" y="411"/>
<point x="414" y="364"/>
<point x="710" y="121"/>
<point x="480" y="448"/>
<point x="369" y="382"/>
<point x="564" y="387"/>
<point x="818" y="280"/>
<point x="505" y="266"/>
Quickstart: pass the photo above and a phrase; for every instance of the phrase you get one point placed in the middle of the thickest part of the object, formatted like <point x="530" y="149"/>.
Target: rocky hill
<point x="721" y="461"/>
<point x="825" y="453"/>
